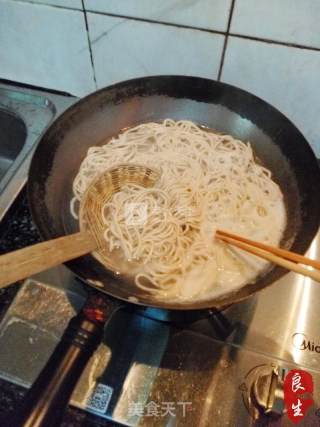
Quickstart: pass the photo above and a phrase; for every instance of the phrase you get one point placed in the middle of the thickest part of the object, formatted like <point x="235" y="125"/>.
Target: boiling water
<point x="235" y="267"/>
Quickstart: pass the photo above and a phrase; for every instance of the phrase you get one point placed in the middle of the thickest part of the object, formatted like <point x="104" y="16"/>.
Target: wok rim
<point x="220" y="302"/>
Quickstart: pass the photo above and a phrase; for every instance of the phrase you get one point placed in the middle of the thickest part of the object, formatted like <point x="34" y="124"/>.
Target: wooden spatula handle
<point x="22" y="263"/>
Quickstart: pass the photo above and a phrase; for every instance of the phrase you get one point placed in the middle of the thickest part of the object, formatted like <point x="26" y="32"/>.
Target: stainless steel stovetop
<point x="223" y="370"/>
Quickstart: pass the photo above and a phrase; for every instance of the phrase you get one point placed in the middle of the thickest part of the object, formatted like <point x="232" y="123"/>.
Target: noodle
<point x="208" y="181"/>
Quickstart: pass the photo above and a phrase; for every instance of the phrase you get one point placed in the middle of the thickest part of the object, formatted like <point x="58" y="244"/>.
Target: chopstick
<point x="287" y="259"/>
<point x="291" y="256"/>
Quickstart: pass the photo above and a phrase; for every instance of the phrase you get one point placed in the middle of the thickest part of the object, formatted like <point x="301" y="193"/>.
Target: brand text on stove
<point x="302" y="342"/>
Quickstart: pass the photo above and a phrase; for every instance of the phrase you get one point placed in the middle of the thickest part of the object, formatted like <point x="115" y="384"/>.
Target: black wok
<point x="92" y="121"/>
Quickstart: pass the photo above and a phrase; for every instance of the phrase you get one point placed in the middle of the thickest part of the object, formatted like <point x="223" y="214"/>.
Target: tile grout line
<point x="223" y="54"/>
<point x="207" y="30"/>
<point x="89" y="43"/>
<point x="49" y="5"/>
<point x="152" y="21"/>
<point x="226" y="40"/>
<point x="275" y="42"/>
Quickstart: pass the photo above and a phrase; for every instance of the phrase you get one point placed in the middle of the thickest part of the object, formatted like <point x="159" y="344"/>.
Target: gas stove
<point x="221" y="369"/>
<point x="218" y="369"/>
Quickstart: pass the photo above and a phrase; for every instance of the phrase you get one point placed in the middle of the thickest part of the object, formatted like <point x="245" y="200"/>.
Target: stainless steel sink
<point x="24" y="115"/>
<point x="13" y="135"/>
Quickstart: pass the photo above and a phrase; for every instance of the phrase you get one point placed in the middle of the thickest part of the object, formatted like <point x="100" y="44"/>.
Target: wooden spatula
<point x="22" y="263"/>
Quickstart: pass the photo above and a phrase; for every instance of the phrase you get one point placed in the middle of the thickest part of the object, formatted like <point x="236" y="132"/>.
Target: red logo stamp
<point x="298" y="390"/>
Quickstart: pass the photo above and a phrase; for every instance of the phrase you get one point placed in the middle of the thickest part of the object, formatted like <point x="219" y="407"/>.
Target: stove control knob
<point x="267" y="391"/>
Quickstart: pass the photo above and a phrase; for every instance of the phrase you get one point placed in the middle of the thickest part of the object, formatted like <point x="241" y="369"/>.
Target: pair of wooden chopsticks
<point x="287" y="259"/>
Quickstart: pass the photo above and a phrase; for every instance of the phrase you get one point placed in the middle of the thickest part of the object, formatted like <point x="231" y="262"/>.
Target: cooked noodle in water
<point x="207" y="181"/>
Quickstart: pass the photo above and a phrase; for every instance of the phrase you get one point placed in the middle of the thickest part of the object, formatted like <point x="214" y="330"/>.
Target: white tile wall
<point x="45" y="46"/>
<point x="211" y="14"/>
<point x="73" y="4"/>
<point x="48" y="46"/>
<point x="123" y="49"/>
<point x="290" y="21"/>
<point x="288" y="78"/>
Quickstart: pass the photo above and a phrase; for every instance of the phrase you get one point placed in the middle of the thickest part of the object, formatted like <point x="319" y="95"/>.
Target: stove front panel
<point x="146" y="372"/>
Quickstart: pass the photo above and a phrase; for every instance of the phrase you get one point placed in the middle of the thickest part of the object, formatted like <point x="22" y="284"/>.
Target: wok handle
<point x="48" y="397"/>
<point x="23" y="263"/>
